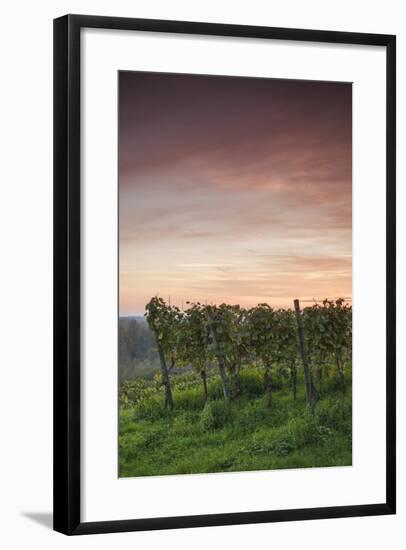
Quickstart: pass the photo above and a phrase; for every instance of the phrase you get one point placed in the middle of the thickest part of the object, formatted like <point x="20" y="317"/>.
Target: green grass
<point x="244" y="435"/>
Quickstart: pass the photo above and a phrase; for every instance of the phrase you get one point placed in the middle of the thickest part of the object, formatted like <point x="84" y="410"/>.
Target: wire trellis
<point x="316" y="300"/>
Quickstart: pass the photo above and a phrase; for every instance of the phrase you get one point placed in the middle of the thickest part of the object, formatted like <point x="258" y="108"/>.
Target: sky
<point x="234" y="190"/>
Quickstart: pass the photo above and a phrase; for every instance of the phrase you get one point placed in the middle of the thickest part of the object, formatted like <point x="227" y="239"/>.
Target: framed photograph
<point x="224" y="274"/>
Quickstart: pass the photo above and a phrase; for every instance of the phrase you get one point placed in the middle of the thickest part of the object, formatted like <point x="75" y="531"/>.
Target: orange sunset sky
<point x="233" y="190"/>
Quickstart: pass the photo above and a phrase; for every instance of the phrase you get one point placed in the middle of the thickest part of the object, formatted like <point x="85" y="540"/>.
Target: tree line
<point x="135" y="341"/>
<point x="231" y="336"/>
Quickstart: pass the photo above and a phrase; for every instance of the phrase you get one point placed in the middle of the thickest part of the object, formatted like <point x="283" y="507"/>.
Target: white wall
<point x="25" y="290"/>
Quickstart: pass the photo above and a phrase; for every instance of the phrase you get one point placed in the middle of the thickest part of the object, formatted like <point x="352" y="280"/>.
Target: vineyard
<point x="240" y="389"/>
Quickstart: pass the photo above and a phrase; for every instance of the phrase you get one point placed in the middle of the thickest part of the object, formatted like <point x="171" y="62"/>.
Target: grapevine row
<point x="230" y="337"/>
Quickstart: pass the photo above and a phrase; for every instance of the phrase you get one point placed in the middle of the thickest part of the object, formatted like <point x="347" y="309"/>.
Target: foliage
<point x="226" y="321"/>
<point x="251" y="382"/>
<point x="262" y="321"/>
<point x="231" y="337"/>
<point x="240" y="436"/>
<point x="215" y="415"/>
<point x="328" y="329"/>
<point x="165" y="323"/>
<point x="208" y="353"/>
<point x="195" y="337"/>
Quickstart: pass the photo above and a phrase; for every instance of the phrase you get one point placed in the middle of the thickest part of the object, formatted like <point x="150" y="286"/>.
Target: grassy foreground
<point x="245" y="435"/>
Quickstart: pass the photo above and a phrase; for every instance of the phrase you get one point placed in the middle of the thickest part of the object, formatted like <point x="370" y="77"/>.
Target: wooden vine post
<point x="311" y="394"/>
<point x="165" y="376"/>
<point x="219" y="355"/>
<point x="160" y="322"/>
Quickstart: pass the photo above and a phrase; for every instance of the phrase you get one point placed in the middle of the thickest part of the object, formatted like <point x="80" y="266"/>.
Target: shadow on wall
<point x="42" y="518"/>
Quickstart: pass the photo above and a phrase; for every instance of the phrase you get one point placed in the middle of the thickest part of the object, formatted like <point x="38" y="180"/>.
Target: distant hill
<point x="125" y="319"/>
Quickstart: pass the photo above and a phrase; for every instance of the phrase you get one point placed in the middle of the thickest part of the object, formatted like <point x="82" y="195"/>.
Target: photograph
<point x="234" y="275"/>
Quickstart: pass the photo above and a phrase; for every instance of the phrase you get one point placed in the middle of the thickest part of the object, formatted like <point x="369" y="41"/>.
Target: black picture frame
<point x="67" y="254"/>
